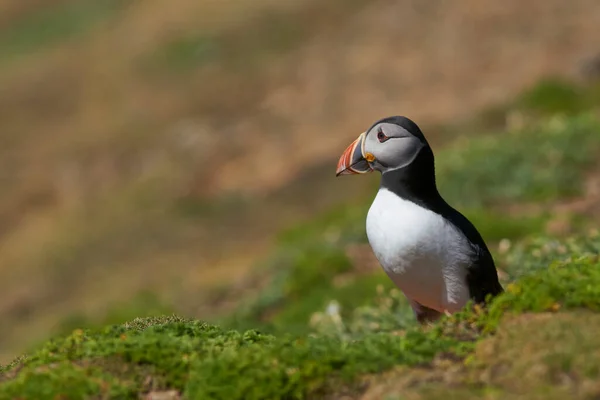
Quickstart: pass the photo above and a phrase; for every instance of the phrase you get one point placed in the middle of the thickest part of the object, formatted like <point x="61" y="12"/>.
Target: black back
<point x="416" y="183"/>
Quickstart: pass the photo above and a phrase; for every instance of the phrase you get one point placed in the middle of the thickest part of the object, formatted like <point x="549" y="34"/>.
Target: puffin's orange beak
<point x="353" y="160"/>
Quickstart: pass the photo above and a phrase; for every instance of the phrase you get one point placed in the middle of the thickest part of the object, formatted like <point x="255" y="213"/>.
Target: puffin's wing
<point x="482" y="276"/>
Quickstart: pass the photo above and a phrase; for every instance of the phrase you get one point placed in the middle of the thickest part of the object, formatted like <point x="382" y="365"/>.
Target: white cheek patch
<point x="401" y="152"/>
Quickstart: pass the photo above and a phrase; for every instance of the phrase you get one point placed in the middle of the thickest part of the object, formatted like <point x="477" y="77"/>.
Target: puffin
<point x="431" y="252"/>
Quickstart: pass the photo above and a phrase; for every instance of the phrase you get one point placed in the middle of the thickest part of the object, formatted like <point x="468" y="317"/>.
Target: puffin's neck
<point x="416" y="181"/>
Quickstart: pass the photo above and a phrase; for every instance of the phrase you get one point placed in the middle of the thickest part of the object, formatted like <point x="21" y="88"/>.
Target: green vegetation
<point x="544" y="161"/>
<point x="536" y="253"/>
<point x="549" y="97"/>
<point x="531" y="356"/>
<point x="555" y="95"/>
<point x="201" y="360"/>
<point x="495" y="226"/>
<point x="187" y="52"/>
<point x="50" y="25"/>
<point x="302" y="281"/>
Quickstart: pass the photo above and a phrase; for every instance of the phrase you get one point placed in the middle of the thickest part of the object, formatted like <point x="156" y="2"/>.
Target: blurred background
<point x="151" y="151"/>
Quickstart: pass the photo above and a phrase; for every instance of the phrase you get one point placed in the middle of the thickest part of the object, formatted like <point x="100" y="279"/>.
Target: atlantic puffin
<point x="431" y="251"/>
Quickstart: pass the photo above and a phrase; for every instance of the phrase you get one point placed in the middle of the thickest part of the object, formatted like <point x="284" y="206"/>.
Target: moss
<point x="166" y="347"/>
<point x="574" y="283"/>
<point x="545" y="348"/>
<point x="293" y="369"/>
<point x="202" y="360"/>
<point x="66" y="380"/>
<point x="531" y="356"/>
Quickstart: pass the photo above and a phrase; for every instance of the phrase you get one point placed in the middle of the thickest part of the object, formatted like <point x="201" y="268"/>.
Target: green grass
<point x="184" y="53"/>
<point x="50" y="25"/>
<point x="536" y="253"/>
<point x="202" y="360"/>
<point x="532" y="356"/>
<point x="542" y="162"/>
<point x="568" y="284"/>
<point x="549" y="97"/>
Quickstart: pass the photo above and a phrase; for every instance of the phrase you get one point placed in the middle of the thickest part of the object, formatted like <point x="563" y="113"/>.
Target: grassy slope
<point x="105" y="106"/>
<point x="531" y="356"/>
<point x="202" y="360"/>
<point x="374" y="330"/>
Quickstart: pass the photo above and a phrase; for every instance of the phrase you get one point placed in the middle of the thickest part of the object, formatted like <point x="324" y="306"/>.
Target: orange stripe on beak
<point x="352" y="160"/>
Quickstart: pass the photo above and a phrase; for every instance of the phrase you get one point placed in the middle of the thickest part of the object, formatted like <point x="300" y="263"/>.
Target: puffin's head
<point x="389" y="144"/>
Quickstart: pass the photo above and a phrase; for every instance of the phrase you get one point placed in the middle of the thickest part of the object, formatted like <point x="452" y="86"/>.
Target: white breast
<point x="424" y="254"/>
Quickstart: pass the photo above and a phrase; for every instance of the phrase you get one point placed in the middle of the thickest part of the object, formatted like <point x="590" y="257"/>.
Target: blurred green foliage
<point x="540" y="162"/>
<point x="569" y="284"/>
<point x="495" y="225"/>
<point x="536" y="253"/>
<point x="249" y="45"/>
<point x="558" y="96"/>
<point x="301" y="280"/>
<point x="47" y="26"/>
<point x="548" y="97"/>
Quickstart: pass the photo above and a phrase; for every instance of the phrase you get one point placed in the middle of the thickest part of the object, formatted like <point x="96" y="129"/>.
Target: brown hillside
<point x="142" y="141"/>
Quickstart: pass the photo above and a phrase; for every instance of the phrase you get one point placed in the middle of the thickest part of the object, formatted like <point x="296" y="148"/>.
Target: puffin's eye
<point x="381" y="136"/>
